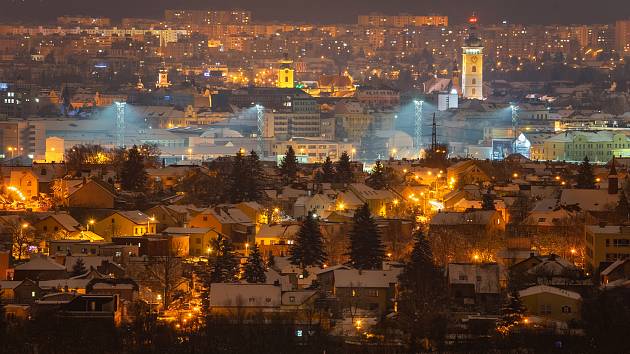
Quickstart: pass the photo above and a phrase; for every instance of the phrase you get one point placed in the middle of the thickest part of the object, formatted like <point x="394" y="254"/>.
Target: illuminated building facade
<point x="285" y="73"/>
<point x="472" y="65"/>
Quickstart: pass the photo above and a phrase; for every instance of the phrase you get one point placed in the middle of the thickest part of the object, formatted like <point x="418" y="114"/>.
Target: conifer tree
<point x="377" y="179"/>
<point x="308" y="247"/>
<point x="133" y="175"/>
<point x="236" y="191"/>
<point x="422" y="306"/>
<point x="253" y="177"/>
<point x="254" y="271"/>
<point x="512" y="314"/>
<point x="366" y="248"/>
<point x="289" y="166"/>
<point x="226" y="267"/>
<point x="344" y="169"/>
<point x="585" y="178"/>
<point x="328" y="171"/>
<point x="79" y="267"/>
<point x="487" y="201"/>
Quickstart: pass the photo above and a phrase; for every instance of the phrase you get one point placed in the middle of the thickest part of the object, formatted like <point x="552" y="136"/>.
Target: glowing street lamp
<point x="149" y="221"/>
<point x="90" y="222"/>
<point x="353" y="151"/>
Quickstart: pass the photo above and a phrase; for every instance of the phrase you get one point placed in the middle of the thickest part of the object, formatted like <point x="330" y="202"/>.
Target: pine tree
<point x="512" y="314"/>
<point x="623" y="208"/>
<point x="226" y="267"/>
<point x="254" y="177"/>
<point x="254" y="271"/>
<point x="344" y="169"/>
<point x="237" y="181"/>
<point x="133" y="176"/>
<point x="585" y="177"/>
<point x="377" y="179"/>
<point x="366" y="249"/>
<point x="328" y="171"/>
<point x="271" y="261"/>
<point x="289" y="166"/>
<point x="308" y="247"/>
<point x="422" y="309"/>
<point x="487" y="202"/>
<point x="79" y="267"/>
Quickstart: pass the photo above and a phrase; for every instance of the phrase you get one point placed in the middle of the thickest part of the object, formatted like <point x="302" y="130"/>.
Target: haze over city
<point x="314" y="177"/>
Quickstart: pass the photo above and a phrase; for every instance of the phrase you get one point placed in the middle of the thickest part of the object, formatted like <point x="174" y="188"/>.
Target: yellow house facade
<point x="552" y="303"/>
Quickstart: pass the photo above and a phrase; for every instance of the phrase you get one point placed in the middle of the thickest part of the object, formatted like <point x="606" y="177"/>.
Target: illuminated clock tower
<point x="162" y="81"/>
<point x="285" y="73"/>
<point x="472" y="64"/>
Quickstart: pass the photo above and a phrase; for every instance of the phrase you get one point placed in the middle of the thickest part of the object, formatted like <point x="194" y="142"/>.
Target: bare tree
<point x="166" y="271"/>
<point x="21" y="237"/>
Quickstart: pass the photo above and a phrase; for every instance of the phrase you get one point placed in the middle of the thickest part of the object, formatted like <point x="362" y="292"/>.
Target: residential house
<point x="377" y="200"/>
<point x="40" y="267"/>
<point x="275" y="239"/>
<point x="372" y="290"/>
<point x="104" y="309"/>
<point x="243" y="299"/>
<point x="552" y="303"/>
<point x="26" y="182"/>
<point x="619" y="270"/>
<point x="475" y="286"/>
<point x="57" y="225"/>
<point x="606" y="243"/>
<point x="126" y="223"/>
<point x="84" y="193"/>
<point x="200" y="238"/>
<point x="24" y="291"/>
<point x="227" y="220"/>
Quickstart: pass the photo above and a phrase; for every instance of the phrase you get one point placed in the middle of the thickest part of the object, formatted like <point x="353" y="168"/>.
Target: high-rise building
<point x="622" y="37"/>
<point x="472" y="64"/>
<point x="285" y="73"/>
<point x="402" y="20"/>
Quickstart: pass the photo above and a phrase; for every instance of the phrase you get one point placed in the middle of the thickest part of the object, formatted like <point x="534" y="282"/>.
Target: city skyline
<point x="489" y="11"/>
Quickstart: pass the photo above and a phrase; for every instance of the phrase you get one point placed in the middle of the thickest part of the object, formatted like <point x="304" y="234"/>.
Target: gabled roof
<point x="40" y="263"/>
<point x="545" y="289"/>
<point x="589" y="199"/>
<point x="348" y="278"/>
<point x="244" y="295"/>
<point x="616" y="264"/>
<point x="476" y="217"/>
<point x="65" y="220"/>
<point x="135" y="216"/>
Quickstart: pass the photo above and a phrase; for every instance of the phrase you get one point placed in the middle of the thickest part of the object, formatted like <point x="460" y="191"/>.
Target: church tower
<point x="285" y="73"/>
<point x="472" y="64"/>
<point x="163" y="77"/>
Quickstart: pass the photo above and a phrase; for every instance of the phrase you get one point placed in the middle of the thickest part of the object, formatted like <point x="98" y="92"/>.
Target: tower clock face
<point x="473" y="59"/>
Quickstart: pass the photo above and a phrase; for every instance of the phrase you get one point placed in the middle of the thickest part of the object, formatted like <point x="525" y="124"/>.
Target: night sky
<point x="332" y="11"/>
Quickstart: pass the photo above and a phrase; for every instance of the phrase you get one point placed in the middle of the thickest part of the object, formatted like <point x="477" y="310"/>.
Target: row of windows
<point x="618" y="242"/>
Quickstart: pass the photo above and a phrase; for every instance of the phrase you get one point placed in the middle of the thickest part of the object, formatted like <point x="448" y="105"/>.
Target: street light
<point x="149" y="223"/>
<point x="90" y="222"/>
<point x="354" y="151"/>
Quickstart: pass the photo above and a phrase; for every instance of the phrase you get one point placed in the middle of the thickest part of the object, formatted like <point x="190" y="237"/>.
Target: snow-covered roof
<point x="616" y="264"/>
<point x="476" y="217"/>
<point x="296" y="298"/>
<point x="545" y="289"/>
<point x="66" y="221"/>
<point x="354" y="278"/>
<point x="244" y="295"/>
<point x="40" y="263"/>
<point x="485" y="277"/>
<point x="62" y="283"/>
<point x="589" y="199"/>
